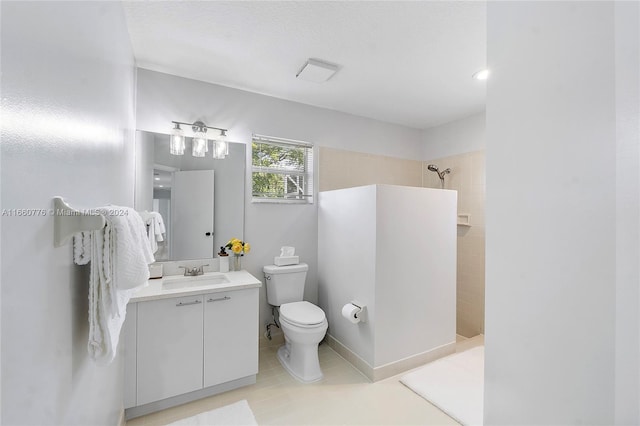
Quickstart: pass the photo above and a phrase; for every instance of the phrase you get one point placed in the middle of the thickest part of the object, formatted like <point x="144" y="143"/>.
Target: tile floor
<point x="343" y="397"/>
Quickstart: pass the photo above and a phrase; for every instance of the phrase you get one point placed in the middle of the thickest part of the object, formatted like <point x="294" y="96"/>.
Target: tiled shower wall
<point x="346" y="169"/>
<point x="468" y="178"/>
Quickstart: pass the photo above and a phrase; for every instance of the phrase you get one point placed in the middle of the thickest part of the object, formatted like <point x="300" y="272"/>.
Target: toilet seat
<point x="302" y="314"/>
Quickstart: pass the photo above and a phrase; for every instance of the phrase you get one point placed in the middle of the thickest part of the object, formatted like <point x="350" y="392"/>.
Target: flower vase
<point x="237" y="262"/>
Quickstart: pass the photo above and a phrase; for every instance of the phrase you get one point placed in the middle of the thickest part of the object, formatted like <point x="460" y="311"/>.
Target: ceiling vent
<point x="317" y="71"/>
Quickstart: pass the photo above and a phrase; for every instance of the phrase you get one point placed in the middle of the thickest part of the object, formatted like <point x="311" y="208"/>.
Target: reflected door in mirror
<point x="192" y="214"/>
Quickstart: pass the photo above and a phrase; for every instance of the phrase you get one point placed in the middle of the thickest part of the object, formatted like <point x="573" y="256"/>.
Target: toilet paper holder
<point x="362" y="315"/>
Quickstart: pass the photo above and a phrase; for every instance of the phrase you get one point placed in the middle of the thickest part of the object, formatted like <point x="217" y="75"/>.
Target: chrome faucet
<point x="195" y="271"/>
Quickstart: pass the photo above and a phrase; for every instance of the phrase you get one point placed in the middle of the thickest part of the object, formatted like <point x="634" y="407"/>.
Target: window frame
<point x="307" y="173"/>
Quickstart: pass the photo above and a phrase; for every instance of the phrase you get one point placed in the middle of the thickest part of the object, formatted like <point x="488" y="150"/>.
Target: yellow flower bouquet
<point x="238" y="247"/>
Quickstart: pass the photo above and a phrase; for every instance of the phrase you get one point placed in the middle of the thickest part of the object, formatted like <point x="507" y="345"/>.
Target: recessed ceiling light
<point x="157" y="178"/>
<point x="481" y="75"/>
<point x="160" y="186"/>
<point x="317" y="71"/>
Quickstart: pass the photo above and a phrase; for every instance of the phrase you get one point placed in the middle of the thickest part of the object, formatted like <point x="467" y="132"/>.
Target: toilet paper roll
<point x="350" y="312"/>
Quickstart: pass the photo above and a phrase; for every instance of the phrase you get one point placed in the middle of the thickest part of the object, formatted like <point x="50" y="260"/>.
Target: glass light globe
<point x="176" y="143"/>
<point x="199" y="144"/>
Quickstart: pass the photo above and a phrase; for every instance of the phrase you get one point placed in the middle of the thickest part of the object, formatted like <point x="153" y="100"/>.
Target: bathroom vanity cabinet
<point x="179" y="349"/>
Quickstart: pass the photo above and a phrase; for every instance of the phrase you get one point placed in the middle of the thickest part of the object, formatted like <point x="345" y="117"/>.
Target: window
<point x="282" y="170"/>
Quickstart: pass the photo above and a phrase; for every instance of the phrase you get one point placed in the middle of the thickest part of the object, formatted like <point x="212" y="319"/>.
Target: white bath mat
<point x="455" y="384"/>
<point x="236" y="414"/>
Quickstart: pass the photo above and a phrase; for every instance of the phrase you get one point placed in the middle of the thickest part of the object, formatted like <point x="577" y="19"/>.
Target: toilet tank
<point x="285" y="284"/>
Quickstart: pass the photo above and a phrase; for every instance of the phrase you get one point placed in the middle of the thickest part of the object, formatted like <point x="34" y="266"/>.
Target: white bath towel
<point x="120" y="255"/>
<point x="132" y="253"/>
<point x="82" y="248"/>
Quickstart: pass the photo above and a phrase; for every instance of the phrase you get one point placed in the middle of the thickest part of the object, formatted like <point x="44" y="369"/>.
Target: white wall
<point x="347" y="264"/>
<point x="458" y="137"/>
<point x="393" y="249"/>
<point x="144" y="154"/>
<point x="552" y="287"/>
<point x="162" y="98"/>
<point x="415" y="271"/>
<point x="627" y="57"/>
<point x="67" y="129"/>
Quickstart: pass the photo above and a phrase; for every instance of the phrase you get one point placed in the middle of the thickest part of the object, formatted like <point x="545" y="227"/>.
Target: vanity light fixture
<point x="481" y="75"/>
<point x="200" y="142"/>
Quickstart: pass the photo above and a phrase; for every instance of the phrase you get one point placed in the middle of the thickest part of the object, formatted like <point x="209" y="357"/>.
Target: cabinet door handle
<point x="220" y="299"/>
<point x="195" y="302"/>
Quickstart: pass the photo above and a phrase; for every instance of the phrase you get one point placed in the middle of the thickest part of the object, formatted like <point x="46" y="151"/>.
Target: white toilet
<point x="303" y="323"/>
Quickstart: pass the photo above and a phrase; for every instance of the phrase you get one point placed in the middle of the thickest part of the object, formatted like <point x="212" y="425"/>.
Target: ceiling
<point x="408" y="63"/>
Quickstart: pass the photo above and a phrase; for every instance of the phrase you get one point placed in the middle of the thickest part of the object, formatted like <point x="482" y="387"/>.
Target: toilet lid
<point x="303" y="313"/>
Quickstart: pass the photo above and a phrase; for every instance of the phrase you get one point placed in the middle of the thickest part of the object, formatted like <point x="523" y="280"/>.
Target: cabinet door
<point x="169" y="348"/>
<point x="231" y="336"/>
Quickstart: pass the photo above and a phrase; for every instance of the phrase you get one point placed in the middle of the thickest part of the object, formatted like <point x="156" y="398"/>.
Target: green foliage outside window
<point x="279" y="170"/>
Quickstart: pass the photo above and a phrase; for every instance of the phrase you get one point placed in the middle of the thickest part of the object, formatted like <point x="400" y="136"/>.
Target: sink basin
<point x="175" y="282"/>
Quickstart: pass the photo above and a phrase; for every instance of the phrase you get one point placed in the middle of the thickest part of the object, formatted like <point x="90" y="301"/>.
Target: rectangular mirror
<point x="199" y="199"/>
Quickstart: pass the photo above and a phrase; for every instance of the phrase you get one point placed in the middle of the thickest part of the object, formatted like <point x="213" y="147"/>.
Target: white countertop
<point x="154" y="289"/>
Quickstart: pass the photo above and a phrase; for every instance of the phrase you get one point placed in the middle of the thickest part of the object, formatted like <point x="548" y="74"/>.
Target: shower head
<point x="434" y="168"/>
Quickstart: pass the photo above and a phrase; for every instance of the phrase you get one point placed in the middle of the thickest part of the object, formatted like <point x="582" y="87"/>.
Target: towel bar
<point x="68" y="221"/>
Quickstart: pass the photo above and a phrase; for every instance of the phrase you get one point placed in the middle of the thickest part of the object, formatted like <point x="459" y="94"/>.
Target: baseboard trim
<point x="141" y="410"/>
<point x="122" y="421"/>
<point x="351" y="357"/>
<point x="411" y="362"/>
<point x="392" y="368"/>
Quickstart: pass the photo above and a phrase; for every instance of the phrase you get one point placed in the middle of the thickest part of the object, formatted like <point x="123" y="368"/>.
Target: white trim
<point x="122" y="421"/>
<point x="391" y="369"/>
<point x="306" y="175"/>
<point x="275" y="200"/>
<point x="163" y="404"/>
<point x="260" y="169"/>
<point x="346" y="353"/>
<point x="281" y="140"/>
<point x="165" y="168"/>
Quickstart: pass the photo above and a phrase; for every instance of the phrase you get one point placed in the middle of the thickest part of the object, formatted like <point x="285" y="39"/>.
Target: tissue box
<point x="155" y="270"/>
<point x="286" y="260"/>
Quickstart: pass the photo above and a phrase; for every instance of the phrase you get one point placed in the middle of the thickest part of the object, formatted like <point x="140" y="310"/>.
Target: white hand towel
<point x="151" y="236"/>
<point x="155" y="228"/>
<point x="104" y="300"/>
<point x="158" y="226"/>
